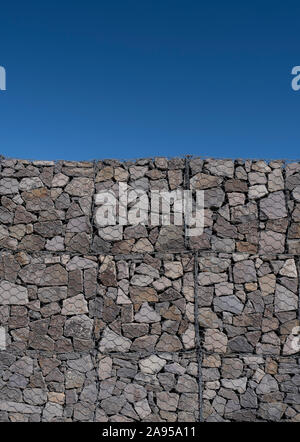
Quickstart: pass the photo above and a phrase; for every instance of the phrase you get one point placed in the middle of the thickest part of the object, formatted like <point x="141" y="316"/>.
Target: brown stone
<point x="168" y="343"/>
<point x="235" y="185"/>
<point x="143" y="294"/>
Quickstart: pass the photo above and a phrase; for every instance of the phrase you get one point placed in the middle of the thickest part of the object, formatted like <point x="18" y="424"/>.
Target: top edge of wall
<point x="129" y="160"/>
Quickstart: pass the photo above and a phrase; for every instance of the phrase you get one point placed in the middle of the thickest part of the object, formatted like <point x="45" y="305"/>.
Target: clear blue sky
<point x="135" y="78"/>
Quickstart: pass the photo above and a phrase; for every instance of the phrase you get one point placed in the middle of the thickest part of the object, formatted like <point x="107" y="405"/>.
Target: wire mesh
<point x="137" y="322"/>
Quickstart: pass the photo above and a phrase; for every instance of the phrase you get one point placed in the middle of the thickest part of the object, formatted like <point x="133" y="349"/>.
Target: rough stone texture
<point x="47" y="206"/>
<point x="251" y="388"/>
<point x="143" y="313"/>
<point x="100" y="321"/>
<point x="159" y="390"/>
<point x="254" y="308"/>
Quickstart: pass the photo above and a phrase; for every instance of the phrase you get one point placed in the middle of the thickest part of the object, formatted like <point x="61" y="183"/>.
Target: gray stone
<point x="51" y="412"/>
<point x="110" y="341"/>
<point x="239" y="344"/>
<point x="285" y="300"/>
<point x="84" y="411"/>
<point x="74" y="379"/>
<point x="169" y="343"/>
<point x="48" y="229"/>
<point x="75" y="306"/>
<point x="147" y="314"/>
<point x="202" y="181"/>
<point x="83" y="364"/>
<point x="51" y="294"/>
<point x="113" y="406"/>
<point x="244" y="271"/>
<point x="170" y="238"/>
<point x="11" y="293"/>
<point x="186" y="384"/>
<point x="152" y="364"/>
<point x="32" y="243"/>
<point x="8" y="186"/>
<point x="106" y="388"/>
<point x="105" y="368"/>
<point x="267" y="385"/>
<point x="16" y="407"/>
<point x="80" y="187"/>
<point x="215" y="341"/>
<point x="232" y="368"/>
<point x="235" y="384"/>
<point x="6" y="216"/>
<point x="228" y="304"/>
<point x="224" y="245"/>
<point x="133" y="330"/>
<point x="275" y="180"/>
<point x="272" y="411"/>
<point x="134" y="392"/>
<point x="214" y="197"/>
<point x="80" y="326"/>
<point x="249" y="399"/>
<point x="220" y="167"/>
<point x="23" y="366"/>
<point x="271" y="242"/>
<point x="141" y="280"/>
<point x="273" y="206"/>
<point x="173" y="270"/>
<point x="35" y="396"/>
<point x="78" y="262"/>
<point x="257" y="191"/>
<point x="89" y="393"/>
<point x="167" y="401"/>
<point x="55" y="244"/>
<point x="142" y="408"/>
<point x="289" y="269"/>
<point x="60" y="180"/>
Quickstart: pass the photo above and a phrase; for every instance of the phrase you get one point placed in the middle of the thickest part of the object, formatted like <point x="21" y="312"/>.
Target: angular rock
<point x="228" y="304"/>
<point x="202" y="181"/>
<point x="268" y="384"/>
<point x="142" y="408"/>
<point x="110" y="341"/>
<point x="80" y="326"/>
<point x="11" y="293"/>
<point x="50" y="294"/>
<point x="239" y="385"/>
<point x="152" y="364"/>
<point x="147" y="314"/>
<point x="167" y="401"/>
<point x="244" y="271"/>
<point x="273" y="206"/>
<point x="168" y="343"/>
<point x="289" y="269"/>
<point x="239" y="344"/>
<point x="285" y="300"/>
<point x="35" y="396"/>
<point x="75" y="306"/>
<point x="271" y="242"/>
<point x="8" y="186"/>
<point x="80" y="187"/>
<point x="134" y="392"/>
<point x="215" y="341"/>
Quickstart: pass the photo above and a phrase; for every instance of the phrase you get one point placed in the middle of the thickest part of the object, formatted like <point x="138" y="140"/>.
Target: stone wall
<point x="143" y="323"/>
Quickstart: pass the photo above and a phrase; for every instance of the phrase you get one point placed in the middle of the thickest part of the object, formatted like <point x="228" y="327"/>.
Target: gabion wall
<point x="143" y="323"/>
